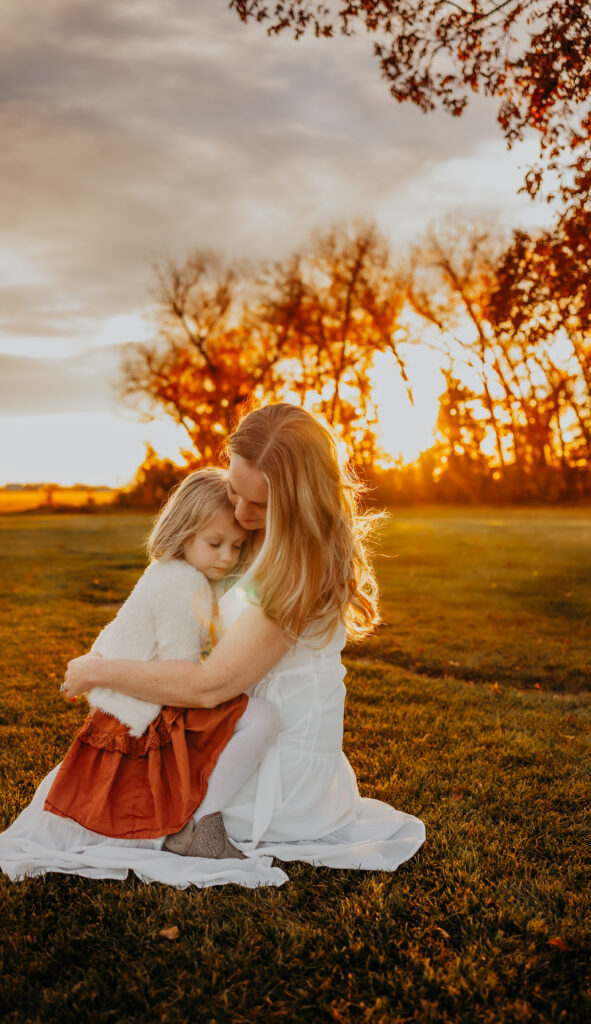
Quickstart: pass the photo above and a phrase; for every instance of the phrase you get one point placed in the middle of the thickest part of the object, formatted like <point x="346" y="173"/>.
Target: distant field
<point x="466" y="708"/>
<point x="24" y="501"/>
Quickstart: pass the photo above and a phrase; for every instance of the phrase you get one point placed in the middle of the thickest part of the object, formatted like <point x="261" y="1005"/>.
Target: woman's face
<point x="247" y="489"/>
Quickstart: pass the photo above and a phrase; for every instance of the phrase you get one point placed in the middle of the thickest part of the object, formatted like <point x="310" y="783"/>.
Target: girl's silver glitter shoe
<point x="208" y="838"/>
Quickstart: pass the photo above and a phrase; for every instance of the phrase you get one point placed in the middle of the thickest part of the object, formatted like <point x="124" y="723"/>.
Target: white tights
<point x="254" y="733"/>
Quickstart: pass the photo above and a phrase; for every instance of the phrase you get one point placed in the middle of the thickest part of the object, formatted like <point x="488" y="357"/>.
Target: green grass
<point x="443" y="720"/>
<point x="489" y="595"/>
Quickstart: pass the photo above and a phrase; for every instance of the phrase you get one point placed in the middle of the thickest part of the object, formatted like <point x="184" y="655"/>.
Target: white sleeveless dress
<point x="301" y="804"/>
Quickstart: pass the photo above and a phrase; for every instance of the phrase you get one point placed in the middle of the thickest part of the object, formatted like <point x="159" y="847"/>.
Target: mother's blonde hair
<point x="313" y="569"/>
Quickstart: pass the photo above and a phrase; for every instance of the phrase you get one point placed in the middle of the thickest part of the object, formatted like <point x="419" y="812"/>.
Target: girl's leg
<point x="254" y="733"/>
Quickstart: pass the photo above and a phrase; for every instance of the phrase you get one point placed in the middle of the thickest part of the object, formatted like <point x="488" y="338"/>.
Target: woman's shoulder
<point x="322" y="643"/>
<point x="242" y="589"/>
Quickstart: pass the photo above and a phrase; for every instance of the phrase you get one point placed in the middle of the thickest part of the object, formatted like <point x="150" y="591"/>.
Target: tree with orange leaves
<point x="515" y="417"/>
<point x="304" y="330"/>
<point x="328" y="309"/>
<point x="203" y="366"/>
<point x="533" y="56"/>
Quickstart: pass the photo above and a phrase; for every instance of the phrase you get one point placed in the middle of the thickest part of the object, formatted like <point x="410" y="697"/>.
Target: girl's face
<point x="216" y="549"/>
<point x="247" y="490"/>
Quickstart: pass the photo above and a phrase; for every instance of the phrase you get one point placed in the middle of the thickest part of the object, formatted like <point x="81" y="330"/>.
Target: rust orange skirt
<point x="142" y="787"/>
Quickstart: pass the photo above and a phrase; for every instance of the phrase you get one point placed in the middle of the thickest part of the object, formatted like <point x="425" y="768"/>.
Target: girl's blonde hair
<point x="313" y="570"/>
<point x="189" y="509"/>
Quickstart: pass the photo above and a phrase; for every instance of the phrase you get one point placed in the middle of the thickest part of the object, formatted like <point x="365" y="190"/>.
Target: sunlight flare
<point x="406" y="429"/>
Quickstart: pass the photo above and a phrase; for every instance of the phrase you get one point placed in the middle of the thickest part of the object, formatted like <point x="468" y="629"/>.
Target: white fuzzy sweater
<point x="167" y="616"/>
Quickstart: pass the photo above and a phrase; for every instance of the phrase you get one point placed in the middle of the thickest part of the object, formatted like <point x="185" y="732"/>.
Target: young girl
<point x="129" y="772"/>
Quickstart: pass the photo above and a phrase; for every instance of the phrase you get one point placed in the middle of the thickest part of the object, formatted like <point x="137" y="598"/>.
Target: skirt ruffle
<point x="142" y="787"/>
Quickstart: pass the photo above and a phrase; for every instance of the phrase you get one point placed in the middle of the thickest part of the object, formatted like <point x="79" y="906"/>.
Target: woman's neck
<point x="257" y="542"/>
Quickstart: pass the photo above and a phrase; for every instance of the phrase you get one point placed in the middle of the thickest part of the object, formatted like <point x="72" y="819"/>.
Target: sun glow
<point x="105" y="448"/>
<point x="407" y="428"/>
<point x="89" y="448"/>
<point x="100" y="448"/>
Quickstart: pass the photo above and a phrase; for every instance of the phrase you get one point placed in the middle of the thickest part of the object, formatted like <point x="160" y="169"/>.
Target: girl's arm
<point x="248" y="650"/>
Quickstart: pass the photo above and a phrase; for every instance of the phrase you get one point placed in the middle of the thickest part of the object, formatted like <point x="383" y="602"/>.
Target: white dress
<point x="301" y="804"/>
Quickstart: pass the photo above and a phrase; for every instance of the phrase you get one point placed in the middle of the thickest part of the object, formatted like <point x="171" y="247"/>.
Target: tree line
<point x="508" y="321"/>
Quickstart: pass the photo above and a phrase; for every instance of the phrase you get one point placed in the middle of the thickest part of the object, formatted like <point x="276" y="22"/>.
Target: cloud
<point x="43" y="386"/>
<point x="136" y="128"/>
<point x="131" y="126"/>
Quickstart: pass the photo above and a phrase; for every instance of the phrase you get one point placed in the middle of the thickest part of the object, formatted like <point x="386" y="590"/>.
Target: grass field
<point x="468" y="708"/>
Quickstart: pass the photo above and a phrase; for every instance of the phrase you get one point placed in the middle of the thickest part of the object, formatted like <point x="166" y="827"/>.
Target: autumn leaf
<point x="170" y="933"/>
<point x="558" y="943"/>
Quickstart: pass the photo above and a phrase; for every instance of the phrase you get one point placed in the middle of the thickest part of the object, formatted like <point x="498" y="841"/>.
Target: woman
<point x="285" y="625"/>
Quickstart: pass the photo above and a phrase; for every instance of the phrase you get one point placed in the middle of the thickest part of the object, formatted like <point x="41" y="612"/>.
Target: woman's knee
<point x="265" y="718"/>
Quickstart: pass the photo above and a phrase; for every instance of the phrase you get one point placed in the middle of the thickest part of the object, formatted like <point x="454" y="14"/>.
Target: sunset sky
<point x="134" y="129"/>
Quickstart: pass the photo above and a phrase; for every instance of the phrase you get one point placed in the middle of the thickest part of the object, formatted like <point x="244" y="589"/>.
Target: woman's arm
<point x="248" y="650"/>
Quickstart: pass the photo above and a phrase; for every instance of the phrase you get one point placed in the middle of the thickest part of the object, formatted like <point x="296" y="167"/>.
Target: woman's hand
<point x="250" y="648"/>
<point x="81" y="675"/>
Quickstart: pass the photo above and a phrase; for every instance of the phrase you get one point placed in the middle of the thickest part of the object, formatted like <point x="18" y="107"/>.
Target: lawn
<point x="468" y="708"/>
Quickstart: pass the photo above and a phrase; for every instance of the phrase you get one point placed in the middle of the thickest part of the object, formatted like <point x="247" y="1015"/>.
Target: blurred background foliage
<point x="505" y="318"/>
